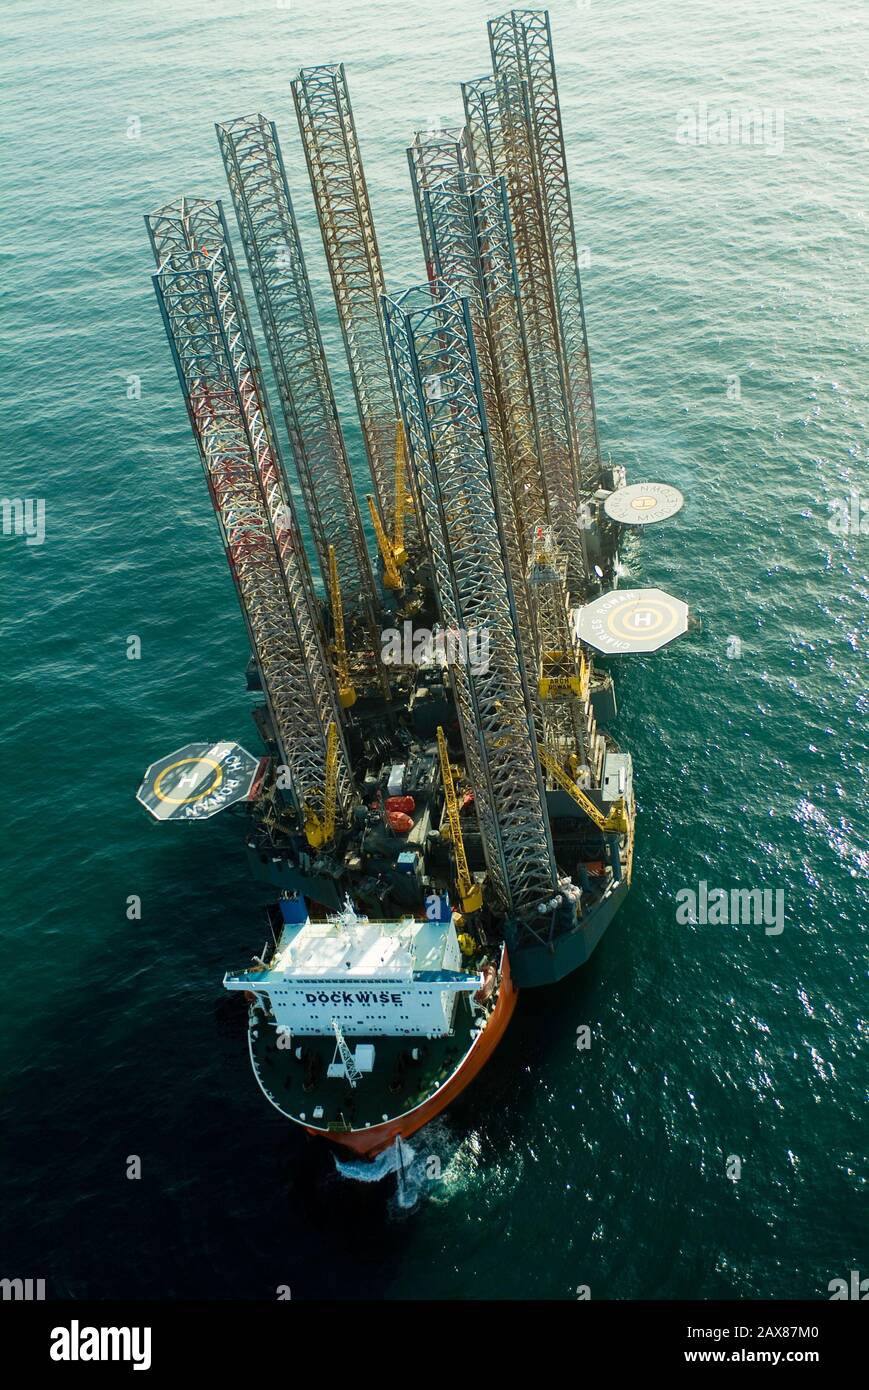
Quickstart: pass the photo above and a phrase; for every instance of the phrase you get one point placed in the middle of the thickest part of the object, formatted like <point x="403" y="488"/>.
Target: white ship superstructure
<point x="372" y="979"/>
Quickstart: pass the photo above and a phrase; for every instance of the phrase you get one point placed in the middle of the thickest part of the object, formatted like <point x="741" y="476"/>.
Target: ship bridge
<point x="372" y="978"/>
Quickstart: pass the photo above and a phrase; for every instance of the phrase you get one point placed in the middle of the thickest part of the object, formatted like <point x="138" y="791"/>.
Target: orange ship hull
<point x="367" y="1143"/>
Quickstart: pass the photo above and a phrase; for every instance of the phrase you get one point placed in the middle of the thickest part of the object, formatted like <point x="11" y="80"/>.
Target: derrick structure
<point x="269" y="231"/>
<point x="331" y="147"/>
<point x="501" y="134"/>
<point x="446" y="427"/>
<point x="521" y="46"/>
<point x="215" y="357"/>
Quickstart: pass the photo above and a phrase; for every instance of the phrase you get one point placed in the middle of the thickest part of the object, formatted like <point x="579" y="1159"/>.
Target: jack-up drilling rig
<point x="441" y="807"/>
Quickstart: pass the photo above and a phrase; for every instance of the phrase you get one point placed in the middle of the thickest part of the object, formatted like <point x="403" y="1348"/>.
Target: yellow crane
<point x="617" y="820"/>
<point x="393" y="552"/>
<point x="346" y="689"/>
<point x="470" y="893"/>
<point x="399" y="554"/>
<point x="319" y="830"/>
<point x="391" y="576"/>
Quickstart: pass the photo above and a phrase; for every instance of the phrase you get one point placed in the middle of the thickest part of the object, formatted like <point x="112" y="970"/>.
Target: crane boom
<point x="391" y="576"/>
<point x="617" y="820"/>
<point x="393" y="551"/>
<point x="346" y="691"/>
<point x="470" y="893"/>
<point x="321" y="823"/>
<point x="351" y="1071"/>
<point x="399" y="552"/>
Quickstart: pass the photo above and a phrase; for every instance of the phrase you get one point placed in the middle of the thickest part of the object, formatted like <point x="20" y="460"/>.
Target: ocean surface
<point x="727" y="298"/>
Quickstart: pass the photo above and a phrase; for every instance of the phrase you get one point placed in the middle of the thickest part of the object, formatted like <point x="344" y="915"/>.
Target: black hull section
<point x="534" y="964"/>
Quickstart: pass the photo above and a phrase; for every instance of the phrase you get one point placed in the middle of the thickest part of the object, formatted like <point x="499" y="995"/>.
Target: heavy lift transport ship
<point x="448" y="826"/>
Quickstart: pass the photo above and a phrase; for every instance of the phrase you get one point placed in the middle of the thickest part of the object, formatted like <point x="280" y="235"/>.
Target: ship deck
<point x="298" y="1087"/>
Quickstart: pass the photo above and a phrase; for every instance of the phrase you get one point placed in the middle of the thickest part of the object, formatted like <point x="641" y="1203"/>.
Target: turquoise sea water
<point x="560" y="1167"/>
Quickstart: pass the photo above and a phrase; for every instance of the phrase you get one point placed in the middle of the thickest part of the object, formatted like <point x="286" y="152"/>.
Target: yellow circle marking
<point x="182" y="762"/>
<point x="617" y="622"/>
<point x="642" y="504"/>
